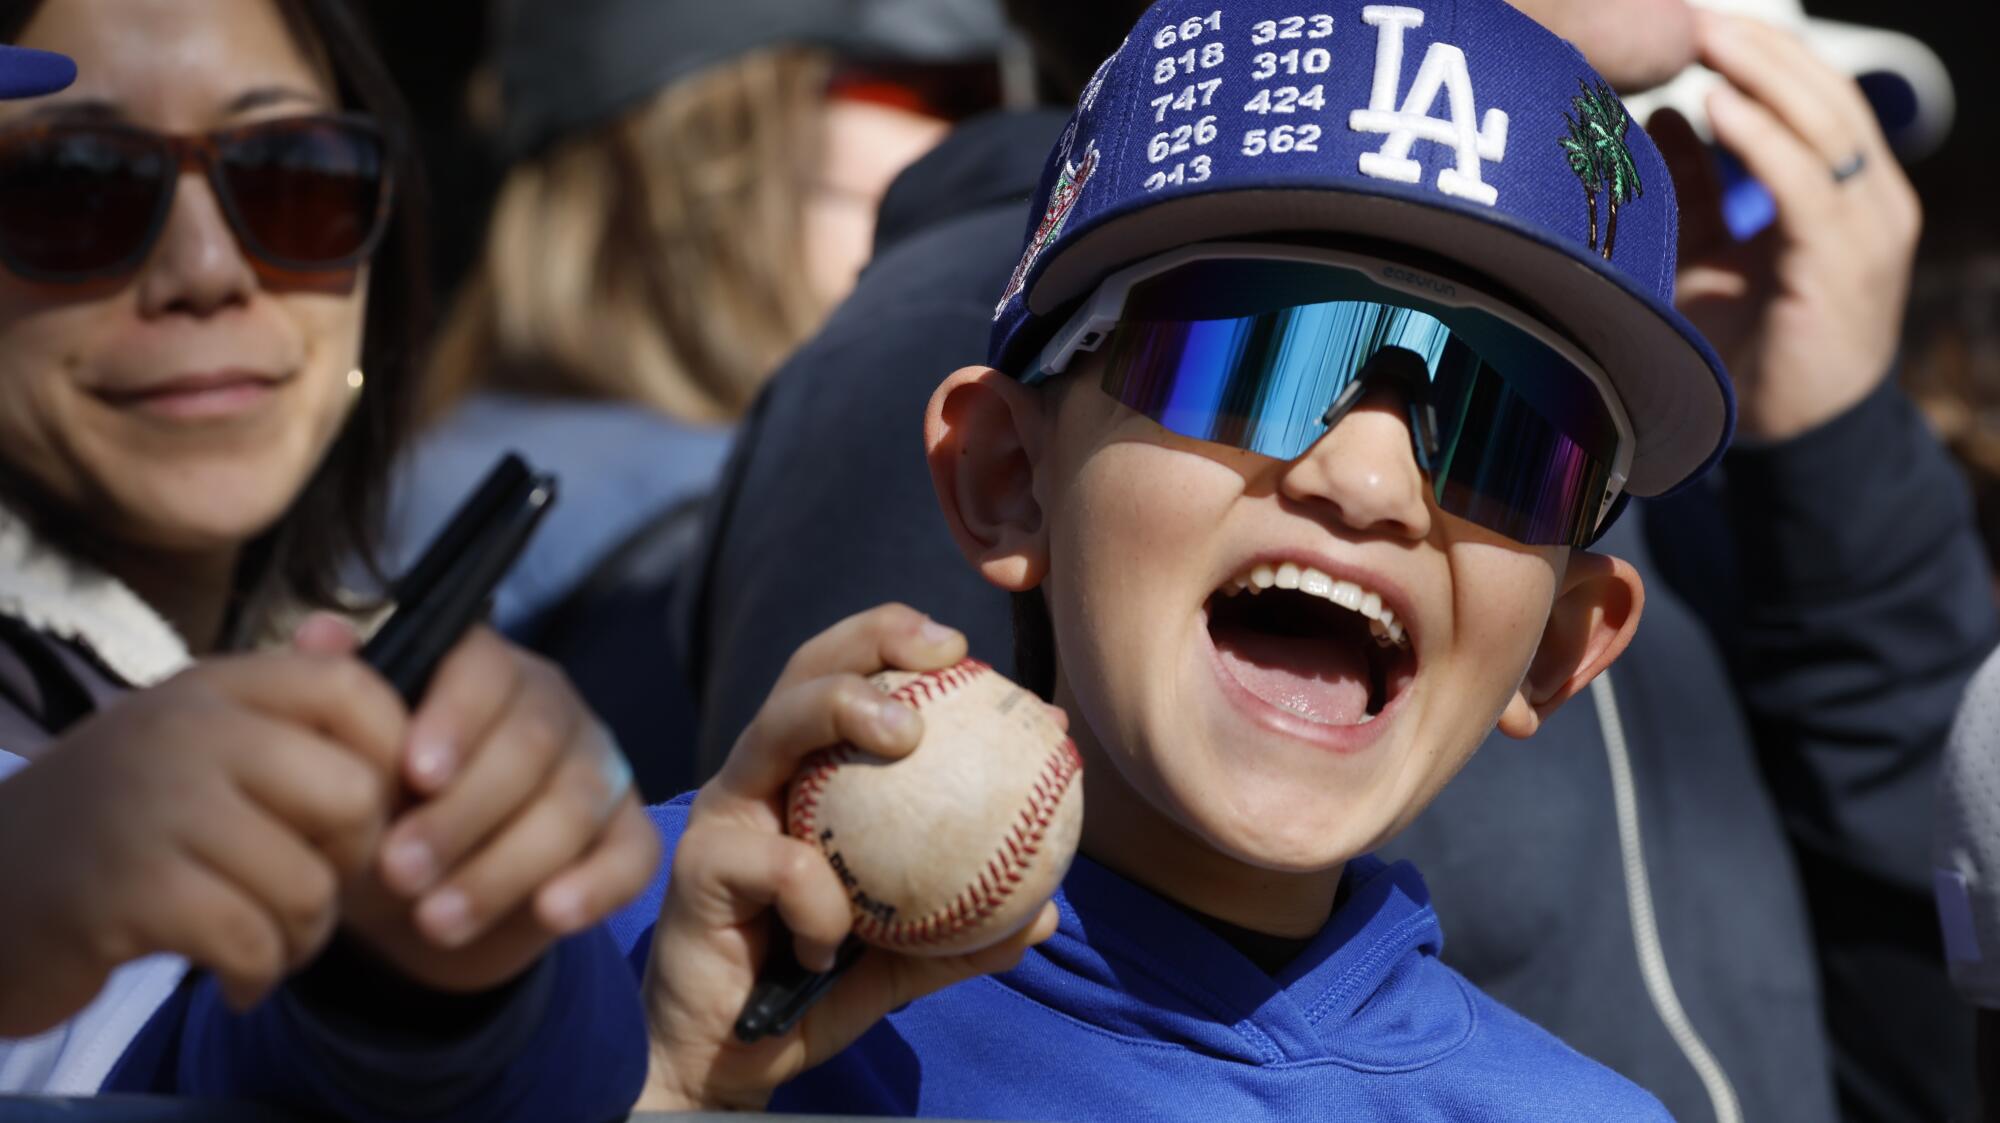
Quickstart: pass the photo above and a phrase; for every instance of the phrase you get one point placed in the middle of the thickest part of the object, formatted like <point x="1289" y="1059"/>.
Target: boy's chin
<point x="1290" y="828"/>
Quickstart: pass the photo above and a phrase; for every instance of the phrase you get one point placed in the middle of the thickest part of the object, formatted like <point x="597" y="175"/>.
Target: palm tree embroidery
<point x="1597" y="154"/>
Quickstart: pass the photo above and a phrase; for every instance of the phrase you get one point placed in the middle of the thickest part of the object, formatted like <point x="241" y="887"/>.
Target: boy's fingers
<point x="497" y="776"/>
<point x="277" y="873"/>
<point x="891" y="635"/>
<point x="801" y="719"/>
<point x="335" y="695"/>
<point x="317" y="789"/>
<point x="615" y="871"/>
<point x="471" y="690"/>
<point x="881" y="982"/>
<point x="548" y="835"/>
<point x="726" y="877"/>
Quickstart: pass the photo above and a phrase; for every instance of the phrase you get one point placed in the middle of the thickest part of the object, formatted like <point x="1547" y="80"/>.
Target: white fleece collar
<point x="53" y="592"/>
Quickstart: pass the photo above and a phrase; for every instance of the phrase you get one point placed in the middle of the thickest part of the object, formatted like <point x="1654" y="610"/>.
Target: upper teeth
<point x="1382" y="622"/>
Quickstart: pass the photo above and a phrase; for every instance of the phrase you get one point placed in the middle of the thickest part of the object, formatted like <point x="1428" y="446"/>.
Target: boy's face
<point x="1271" y="728"/>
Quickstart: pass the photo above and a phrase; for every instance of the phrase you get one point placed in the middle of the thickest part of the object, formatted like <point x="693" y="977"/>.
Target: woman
<point x="209" y="279"/>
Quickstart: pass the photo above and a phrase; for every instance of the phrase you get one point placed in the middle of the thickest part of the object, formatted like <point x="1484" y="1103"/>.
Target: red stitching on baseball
<point x="1002" y="874"/>
<point x="979" y="900"/>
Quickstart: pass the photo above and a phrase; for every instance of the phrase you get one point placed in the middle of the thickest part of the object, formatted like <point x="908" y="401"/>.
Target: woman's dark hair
<point x="337" y="517"/>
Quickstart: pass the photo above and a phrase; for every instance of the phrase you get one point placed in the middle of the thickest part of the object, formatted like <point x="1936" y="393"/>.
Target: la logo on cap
<point x="1443" y="71"/>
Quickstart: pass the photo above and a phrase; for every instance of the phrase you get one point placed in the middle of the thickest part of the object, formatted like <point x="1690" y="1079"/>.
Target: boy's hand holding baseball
<point x="214" y="816"/>
<point x="735" y="864"/>
<point x="526" y="830"/>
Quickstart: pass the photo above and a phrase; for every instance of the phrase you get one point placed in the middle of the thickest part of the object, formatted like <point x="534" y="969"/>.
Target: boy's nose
<point x="1365" y="469"/>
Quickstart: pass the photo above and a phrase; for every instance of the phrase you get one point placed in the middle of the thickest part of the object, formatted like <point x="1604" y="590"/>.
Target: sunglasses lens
<point x="1525" y="439"/>
<point x="308" y="192"/>
<point x="1516" y="462"/>
<point x="79" y="200"/>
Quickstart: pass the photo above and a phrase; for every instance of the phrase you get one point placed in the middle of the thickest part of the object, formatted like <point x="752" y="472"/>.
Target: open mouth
<point x="1325" y="650"/>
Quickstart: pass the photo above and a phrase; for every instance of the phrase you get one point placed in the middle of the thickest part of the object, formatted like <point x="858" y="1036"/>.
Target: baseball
<point x="957" y="845"/>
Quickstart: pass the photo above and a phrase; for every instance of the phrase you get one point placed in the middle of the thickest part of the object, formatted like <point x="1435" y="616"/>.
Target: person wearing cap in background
<point x="1770" y="746"/>
<point x="692" y="186"/>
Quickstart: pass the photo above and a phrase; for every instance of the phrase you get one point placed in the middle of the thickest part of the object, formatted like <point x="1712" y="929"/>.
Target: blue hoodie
<point x="1135" y="1010"/>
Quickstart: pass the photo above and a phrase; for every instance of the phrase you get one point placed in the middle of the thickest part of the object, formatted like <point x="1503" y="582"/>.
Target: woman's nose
<point x="197" y="268"/>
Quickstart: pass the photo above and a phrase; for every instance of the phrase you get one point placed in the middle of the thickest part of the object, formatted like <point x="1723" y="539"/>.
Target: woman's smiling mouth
<point x="1312" y="655"/>
<point x="197" y="397"/>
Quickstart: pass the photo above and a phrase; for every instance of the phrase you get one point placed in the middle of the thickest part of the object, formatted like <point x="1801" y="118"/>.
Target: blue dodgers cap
<point x="30" y="73"/>
<point x="1459" y="129"/>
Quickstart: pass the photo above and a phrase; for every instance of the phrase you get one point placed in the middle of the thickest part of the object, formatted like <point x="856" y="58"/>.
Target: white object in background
<point x="1851" y="48"/>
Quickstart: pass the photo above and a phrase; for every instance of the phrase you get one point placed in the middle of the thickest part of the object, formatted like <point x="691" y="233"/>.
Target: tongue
<point x="1316" y="678"/>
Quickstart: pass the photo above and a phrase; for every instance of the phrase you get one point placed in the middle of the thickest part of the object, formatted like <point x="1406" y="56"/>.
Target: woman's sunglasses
<point x="81" y="201"/>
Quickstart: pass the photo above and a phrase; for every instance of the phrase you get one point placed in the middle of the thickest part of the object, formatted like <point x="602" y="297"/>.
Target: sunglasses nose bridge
<point x="1405" y="371"/>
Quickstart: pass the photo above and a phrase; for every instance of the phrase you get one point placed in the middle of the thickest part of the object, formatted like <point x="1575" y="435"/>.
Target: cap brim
<point x="30" y="73"/>
<point x="1672" y="384"/>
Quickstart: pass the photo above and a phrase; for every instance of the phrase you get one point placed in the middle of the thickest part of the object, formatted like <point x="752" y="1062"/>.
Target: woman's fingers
<point x="273" y="869"/>
<point x="323" y="633"/>
<point x="205" y="917"/>
<point x="334" y="695"/>
<point x="799" y="720"/>
<point x="316" y="788"/>
<point x="497" y="775"/>
<point x="615" y="871"/>
<point x="472" y="689"/>
<point x="548" y="835"/>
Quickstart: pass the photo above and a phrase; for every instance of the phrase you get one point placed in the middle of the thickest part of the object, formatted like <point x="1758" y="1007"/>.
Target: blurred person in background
<point x="1731" y="852"/>
<point x="210" y="284"/>
<point x="1952" y="368"/>
<point x="691" y="187"/>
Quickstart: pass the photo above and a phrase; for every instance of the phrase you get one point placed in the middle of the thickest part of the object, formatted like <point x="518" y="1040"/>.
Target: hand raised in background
<point x="1807" y="315"/>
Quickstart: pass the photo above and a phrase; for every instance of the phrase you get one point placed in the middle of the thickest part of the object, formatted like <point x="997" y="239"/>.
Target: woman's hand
<point x="525" y="827"/>
<point x="736" y="865"/>
<point x="213" y="816"/>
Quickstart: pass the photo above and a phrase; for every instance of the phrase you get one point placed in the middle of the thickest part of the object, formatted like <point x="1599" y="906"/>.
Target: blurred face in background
<point x="866" y="146"/>
<point x="181" y="407"/>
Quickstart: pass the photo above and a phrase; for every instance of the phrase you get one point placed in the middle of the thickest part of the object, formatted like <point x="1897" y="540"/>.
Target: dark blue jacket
<point x="1135" y="1009"/>
<point x="1760" y="809"/>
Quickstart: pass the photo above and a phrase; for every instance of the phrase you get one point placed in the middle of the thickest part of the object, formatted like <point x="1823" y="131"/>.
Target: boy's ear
<point x="1596" y="611"/>
<point x="983" y="436"/>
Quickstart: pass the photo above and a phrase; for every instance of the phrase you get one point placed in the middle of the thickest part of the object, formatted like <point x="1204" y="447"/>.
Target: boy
<point x="1316" y="372"/>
